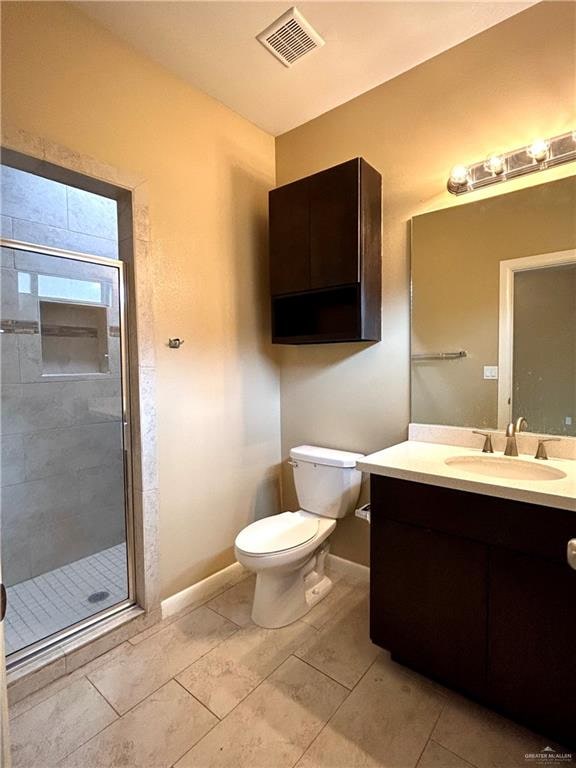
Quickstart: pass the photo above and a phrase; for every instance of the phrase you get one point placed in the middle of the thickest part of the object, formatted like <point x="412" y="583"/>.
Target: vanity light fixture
<point x="495" y="164"/>
<point x="539" y="155"/>
<point x="460" y="175"/>
<point x="539" y="150"/>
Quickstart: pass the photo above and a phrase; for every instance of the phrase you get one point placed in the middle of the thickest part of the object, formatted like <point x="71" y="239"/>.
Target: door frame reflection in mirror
<point x="508" y="269"/>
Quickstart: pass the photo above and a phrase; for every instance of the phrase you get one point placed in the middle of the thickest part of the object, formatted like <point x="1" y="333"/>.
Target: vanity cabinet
<point x="429" y="602"/>
<point x="325" y="260"/>
<point x="475" y="591"/>
<point x="531" y="660"/>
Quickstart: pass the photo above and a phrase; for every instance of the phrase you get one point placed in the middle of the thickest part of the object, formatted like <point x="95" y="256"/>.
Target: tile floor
<point x="48" y="603"/>
<point x="209" y="689"/>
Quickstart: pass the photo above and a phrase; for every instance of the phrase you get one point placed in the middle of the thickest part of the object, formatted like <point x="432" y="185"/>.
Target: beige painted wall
<point x="496" y="91"/>
<point x="208" y="173"/>
<point x="456" y="255"/>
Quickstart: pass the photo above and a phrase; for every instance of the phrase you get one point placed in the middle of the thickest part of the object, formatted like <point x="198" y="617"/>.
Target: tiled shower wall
<point x="38" y="210"/>
<point x="61" y="466"/>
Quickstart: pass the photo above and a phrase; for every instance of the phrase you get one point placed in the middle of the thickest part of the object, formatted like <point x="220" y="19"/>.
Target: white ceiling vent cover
<point x="290" y="37"/>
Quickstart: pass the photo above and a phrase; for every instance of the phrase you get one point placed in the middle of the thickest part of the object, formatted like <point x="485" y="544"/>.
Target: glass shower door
<point x="63" y="471"/>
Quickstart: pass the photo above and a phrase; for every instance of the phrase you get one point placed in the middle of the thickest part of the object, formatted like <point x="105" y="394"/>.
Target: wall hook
<point x="175" y="343"/>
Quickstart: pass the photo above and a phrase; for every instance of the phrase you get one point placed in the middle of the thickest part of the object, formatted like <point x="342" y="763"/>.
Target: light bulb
<point x="494" y="164"/>
<point x="459" y="175"/>
<point x="538" y="150"/>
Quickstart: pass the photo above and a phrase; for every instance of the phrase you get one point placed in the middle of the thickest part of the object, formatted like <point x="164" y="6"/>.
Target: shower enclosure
<point x="65" y="516"/>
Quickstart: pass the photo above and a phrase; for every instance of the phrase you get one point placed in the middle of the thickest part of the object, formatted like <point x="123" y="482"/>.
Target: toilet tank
<point x="327" y="482"/>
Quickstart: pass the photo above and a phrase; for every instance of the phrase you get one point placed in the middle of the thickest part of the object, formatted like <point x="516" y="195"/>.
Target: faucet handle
<point x="487" y="448"/>
<point x="541" y="450"/>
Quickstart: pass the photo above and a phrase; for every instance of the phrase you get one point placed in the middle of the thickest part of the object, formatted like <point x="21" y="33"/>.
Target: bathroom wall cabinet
<point x="475" y="592"/>
<point x="325" y="260"/>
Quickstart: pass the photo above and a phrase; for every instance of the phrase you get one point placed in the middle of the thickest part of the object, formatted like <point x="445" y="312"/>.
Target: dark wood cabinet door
<point x="532" y="642"/>
<point x="334" y="226"/>
<point x="289" y="211"/>
<point x="429" y="601"/>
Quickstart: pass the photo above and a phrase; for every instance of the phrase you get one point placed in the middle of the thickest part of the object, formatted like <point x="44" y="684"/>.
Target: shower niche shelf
<point x="74" y="338"/>
<point x="325" y="260"/>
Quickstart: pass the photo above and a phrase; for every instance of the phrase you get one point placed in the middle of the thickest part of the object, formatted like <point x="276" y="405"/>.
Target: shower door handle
<point x="3" y="602"/>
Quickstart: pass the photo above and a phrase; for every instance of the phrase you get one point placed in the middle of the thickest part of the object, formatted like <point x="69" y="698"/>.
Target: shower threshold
<point x="46" y="604"/>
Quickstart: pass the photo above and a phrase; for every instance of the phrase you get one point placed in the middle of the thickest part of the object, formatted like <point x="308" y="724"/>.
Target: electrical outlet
<point x="490" y="371"/>
<point x="568" y="421"/>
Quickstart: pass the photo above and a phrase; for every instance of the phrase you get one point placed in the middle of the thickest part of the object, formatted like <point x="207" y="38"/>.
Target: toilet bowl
<point x="288" y="551"/>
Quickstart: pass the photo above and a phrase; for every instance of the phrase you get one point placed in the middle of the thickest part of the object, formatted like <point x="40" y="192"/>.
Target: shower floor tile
<point x="54" y="600"/>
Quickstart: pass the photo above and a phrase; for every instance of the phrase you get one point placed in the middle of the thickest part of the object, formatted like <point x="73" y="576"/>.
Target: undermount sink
<point x="502" y="466"/>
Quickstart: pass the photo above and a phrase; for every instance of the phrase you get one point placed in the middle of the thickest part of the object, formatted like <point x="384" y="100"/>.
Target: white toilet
<point x="287" y="551"/>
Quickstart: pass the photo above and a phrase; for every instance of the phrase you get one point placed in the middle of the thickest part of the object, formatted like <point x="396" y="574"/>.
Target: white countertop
<point x="425" y="463"/>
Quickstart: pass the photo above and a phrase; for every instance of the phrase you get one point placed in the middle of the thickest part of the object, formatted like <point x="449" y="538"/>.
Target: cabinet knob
<point x="571" y="553"/>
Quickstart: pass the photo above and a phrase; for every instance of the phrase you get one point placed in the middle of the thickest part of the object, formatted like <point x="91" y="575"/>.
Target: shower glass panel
<point x="64" y="494"/>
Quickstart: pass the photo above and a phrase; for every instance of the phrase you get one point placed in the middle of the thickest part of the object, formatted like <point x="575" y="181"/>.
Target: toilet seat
<point x="278" y="533"/>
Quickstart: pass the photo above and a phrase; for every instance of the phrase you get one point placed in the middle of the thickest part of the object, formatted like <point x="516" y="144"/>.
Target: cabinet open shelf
<point x="323" y="316"/>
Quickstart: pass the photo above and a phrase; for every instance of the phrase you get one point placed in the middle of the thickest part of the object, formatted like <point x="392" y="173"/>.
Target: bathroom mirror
<point x="494" y="311"/>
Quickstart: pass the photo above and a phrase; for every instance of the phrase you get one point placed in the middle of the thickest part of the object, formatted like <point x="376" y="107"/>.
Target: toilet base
<point x="281" y="598"/>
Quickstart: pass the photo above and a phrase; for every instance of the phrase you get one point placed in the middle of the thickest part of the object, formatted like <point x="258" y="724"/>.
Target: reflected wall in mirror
<point x="496" y="279"/>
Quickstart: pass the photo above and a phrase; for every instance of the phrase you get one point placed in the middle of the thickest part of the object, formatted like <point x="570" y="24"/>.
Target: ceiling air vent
<point x="290" y="37"/>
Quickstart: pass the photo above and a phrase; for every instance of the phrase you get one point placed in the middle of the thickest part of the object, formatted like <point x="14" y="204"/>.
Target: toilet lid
<point x="276" y="533"/>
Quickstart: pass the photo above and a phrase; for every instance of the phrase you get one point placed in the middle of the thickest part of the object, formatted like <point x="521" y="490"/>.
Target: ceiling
<point x="212" y="45"/>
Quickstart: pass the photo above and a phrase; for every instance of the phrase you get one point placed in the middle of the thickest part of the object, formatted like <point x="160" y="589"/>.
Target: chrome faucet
<point x="511" y="431"/>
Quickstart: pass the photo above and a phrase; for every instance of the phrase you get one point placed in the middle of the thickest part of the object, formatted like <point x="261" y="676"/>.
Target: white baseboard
<point x="204" y="590"/>
<point x="348" y="567"/>
<point x="221" y="580"/>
